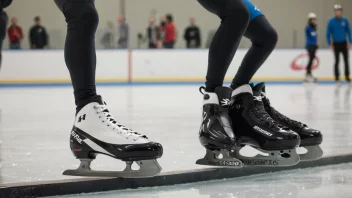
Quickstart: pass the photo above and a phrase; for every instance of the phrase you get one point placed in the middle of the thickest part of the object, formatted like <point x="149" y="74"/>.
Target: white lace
<point x="111" y="122"/>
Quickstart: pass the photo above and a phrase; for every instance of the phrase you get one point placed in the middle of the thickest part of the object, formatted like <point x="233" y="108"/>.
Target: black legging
<point x="234" y="17"/>
<point x="3" y="25"/>
<point x="82" y="21"/>
<point x="235" y="23"/>
<point x="341" y="48"/>
<point x="312" y="49"/>
<point x="264" y="39"/>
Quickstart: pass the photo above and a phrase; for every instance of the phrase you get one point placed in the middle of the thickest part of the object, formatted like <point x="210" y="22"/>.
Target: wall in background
<point x="287" y="16"/>
<point x="30" y="67"/>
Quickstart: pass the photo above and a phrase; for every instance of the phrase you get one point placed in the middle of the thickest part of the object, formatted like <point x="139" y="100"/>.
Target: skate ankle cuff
<point x="210" y="98"/>
<point x="242" y="89"/>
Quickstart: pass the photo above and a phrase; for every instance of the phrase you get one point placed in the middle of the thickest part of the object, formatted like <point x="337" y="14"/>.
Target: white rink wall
<point x="33" y="67"/>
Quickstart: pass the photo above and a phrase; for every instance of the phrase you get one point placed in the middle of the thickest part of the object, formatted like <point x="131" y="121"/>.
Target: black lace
<point x="122" y="126"/>
<point x="286" y="120"/>
<point x="264" y="117"/>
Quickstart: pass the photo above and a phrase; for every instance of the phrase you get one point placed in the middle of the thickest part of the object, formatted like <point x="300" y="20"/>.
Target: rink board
<point x="93" y="185"/>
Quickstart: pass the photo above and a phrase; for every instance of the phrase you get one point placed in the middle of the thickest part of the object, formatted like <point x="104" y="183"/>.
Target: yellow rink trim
<point x="157" y="79"/>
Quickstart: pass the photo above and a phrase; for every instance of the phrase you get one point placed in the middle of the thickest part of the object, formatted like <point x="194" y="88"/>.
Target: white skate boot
<point x="95" y="132"/>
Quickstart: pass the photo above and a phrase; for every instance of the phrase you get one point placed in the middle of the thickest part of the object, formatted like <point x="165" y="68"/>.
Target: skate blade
<point x="212" y="159"/>
<point x="148" y="168"/>
<point x="313" y="153"/>
<point x="274" y="158"/>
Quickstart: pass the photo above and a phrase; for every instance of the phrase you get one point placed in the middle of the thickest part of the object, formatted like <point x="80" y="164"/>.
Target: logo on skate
<point x="76" y="136"/>
<point x="82" y="117"/>
<point x="260" y="162"/>
<point x="262" y="131"/>
<point x="258" y="98"/>
<point x="225" y="102"/>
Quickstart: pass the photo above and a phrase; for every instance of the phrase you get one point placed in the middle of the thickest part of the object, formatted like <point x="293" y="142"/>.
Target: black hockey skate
<point x="254" y="127"/>
<point x="216" y="133"/>
<point x="310" y="138"/>
<point x="115" y="140"/>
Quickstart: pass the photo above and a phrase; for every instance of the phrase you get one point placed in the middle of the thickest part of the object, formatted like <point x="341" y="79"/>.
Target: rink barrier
<point x="94" y="185"/>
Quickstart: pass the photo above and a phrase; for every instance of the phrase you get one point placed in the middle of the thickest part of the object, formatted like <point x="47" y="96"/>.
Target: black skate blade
<point x="274" y="159"/>
<point x="313" y="153"/>
<point x="148" y="168"/>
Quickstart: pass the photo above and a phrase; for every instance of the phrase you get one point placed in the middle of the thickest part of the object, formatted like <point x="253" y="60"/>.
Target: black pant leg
<point x="234" y="17"/>
<point x="337" y="61"/>
<point x="346" y="61"/>
<point x="311" y="53"/>
<point x="264" y="39"/>
<point x="82" y="21"/>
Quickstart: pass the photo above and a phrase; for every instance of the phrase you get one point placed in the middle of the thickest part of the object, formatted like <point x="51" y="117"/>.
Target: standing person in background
<point x="169" y="32"/>
<point x="3" y="25"/>
<point x="339" y="30"/>
<point x="122" y="32"/>
<point x="108" y="37"/>
<point x="192" y="35"/>
<point x="37" y="35"/>
<point x="15" y="34"/>
<point x="311" y="44"/>
<point x="153" y="34"/>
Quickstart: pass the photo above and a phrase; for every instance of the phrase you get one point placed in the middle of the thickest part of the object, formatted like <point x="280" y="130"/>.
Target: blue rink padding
<point x="32" y="85"/>
<point x="94" y="185"/>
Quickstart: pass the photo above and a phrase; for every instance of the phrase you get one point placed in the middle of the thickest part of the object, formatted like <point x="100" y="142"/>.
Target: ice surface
<point x="35" y="124"/>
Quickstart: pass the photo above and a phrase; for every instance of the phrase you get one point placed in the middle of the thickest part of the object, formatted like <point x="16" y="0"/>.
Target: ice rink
<point x="35" y="124"/>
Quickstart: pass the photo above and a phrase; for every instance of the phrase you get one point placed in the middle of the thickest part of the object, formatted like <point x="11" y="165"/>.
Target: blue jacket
<point x="339" y="29"/>
<point x="253" y="10"/>
<point x="311" y="36"/>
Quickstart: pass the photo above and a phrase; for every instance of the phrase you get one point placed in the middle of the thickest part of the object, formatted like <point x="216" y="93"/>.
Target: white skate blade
<point x="313" y="153"/>
<point x="212" y="158"/>
<point x="272" y="158"/>
<point x="148" y="168"/>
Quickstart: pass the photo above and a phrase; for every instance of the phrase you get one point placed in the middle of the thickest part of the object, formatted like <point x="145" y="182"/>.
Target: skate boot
<point x="310" y="79"/>
<point x="254" y="127"/>
<point x="310" y="138"/>
<point x="216" y="133"/>
<point x="95" y="132"/>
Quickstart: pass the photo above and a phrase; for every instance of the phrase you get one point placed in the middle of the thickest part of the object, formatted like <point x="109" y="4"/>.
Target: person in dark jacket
<point x="311" y="44"/>
<point x="37" y="35"/>
<point x="192" y="35"/>
<point x="153" y="34"/>
<point x="339" y="29"/>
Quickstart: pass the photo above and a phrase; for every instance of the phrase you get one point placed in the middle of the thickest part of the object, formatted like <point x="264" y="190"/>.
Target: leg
<point x="337" y="62"/>
<point x="311" y="52"/>
<point x="234" y="21"/>
<point x="82" y="21"/>
<point x="264" y="39"/>
<point x="346" y="60"/>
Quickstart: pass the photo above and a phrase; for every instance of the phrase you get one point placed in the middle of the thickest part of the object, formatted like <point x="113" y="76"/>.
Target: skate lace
<point x="264" y="117"/>
<point x="111" y="122"/>
<point x="287" y="121"/>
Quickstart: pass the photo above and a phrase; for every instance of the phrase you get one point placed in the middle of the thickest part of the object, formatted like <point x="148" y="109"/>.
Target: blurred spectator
<point x="37" y="35"/>
<point x="108" y="37"/>
<point x="122" y="32"/>
<point x="339" y="29"/>
<point x="169" y="32"/>
<point x="311" y="44"/>
<point x="153" y="34"/>
<point x="15" y="34"/>
<point x="192" y="35"/>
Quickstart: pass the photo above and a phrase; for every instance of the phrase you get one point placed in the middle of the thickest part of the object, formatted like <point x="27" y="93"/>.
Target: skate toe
<point x="311" y="137"/>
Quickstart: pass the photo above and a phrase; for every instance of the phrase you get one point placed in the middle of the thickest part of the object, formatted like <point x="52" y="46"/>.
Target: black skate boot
<point x="95" y="132"/>
<point x="216" y="133"/>
<point x="310" y="138"/>
<point x="254" y="127"/>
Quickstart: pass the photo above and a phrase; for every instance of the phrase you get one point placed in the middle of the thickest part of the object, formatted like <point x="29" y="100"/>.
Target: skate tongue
<point x="224" y="95"/>
<point x="257" y="94"/>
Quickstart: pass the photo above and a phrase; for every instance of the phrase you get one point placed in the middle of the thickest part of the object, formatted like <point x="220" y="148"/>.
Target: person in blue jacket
<point x="339" y="30"/>
<point x="311" y="44"/>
